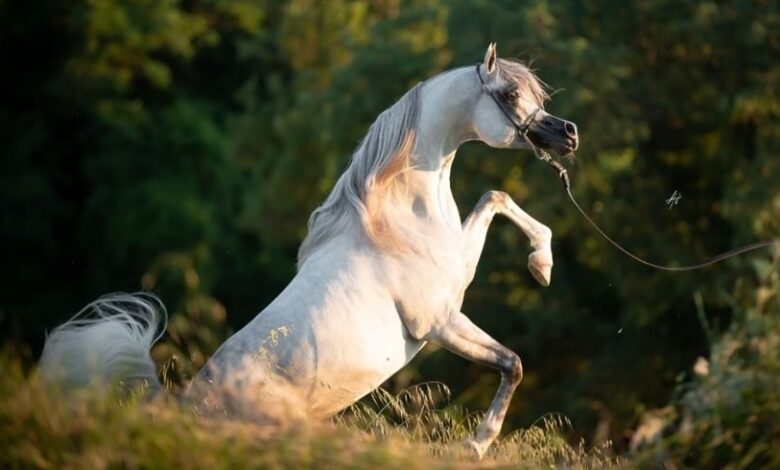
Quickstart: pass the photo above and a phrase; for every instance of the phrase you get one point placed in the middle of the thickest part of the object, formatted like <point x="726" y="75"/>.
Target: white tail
<point x="107" y="342"/>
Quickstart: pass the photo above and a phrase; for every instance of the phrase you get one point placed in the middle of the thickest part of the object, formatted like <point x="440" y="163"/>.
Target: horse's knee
<point x="493" y="198"/>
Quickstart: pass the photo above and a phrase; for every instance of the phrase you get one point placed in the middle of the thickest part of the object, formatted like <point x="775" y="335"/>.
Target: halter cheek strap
<point x="522" y="128"/>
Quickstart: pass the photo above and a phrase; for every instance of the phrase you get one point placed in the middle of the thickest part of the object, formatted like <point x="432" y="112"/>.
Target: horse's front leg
<point x="476" y="225"/>
<point x="465" y="339"/>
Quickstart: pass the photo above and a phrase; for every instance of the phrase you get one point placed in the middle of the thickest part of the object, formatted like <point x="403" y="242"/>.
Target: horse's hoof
<point x="472" y="449"/>
<point x="540" y="265"/>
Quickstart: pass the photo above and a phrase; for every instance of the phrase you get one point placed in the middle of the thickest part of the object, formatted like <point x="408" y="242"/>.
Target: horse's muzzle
<point x="553" y="133"/>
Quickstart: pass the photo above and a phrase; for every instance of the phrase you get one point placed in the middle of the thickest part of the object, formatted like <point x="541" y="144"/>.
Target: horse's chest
<point x="428" y="287"/>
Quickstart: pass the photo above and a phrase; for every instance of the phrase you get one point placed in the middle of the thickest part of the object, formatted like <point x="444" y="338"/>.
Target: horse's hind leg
<point x="465" y="339"/>
<point x="476" y="225"/>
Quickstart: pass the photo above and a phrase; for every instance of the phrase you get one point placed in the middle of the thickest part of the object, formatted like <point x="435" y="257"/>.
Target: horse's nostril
<point x="570" y="128"/>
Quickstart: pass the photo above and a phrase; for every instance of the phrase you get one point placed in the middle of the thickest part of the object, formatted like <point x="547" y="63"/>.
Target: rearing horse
<point x="382" y="271"/>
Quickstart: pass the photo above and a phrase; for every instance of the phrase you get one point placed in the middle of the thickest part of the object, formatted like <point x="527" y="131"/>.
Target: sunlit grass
<point x="41" y="429"/>
<point x="416" y="418"/>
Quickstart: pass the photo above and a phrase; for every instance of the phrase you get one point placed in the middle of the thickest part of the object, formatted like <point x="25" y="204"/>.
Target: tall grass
<point x="414" y="417"/>
<point x="41" y="429"/>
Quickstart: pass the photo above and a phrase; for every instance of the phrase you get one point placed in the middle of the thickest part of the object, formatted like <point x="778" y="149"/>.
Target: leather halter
<point x="522" y="128"/>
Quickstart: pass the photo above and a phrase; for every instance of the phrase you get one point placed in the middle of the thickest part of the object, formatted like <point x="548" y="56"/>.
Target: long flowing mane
<point x="362" y="190"/>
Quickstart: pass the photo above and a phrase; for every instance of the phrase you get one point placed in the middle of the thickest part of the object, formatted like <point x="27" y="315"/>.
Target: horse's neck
<point x="428" y="194"/>
<point x="443" y="126"/>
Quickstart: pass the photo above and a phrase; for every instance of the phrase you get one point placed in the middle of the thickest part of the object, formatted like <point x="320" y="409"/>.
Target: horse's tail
<point x="107" y="342"/>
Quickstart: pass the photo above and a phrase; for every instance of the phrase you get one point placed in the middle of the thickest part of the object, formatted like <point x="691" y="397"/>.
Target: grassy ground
<point x="40" y="430"/>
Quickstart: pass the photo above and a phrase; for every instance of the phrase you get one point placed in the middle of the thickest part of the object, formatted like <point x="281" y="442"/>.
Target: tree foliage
<point x="161" y="140"/>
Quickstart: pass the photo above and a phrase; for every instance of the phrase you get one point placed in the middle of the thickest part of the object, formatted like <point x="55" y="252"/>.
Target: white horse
<point x="382" y="271"/>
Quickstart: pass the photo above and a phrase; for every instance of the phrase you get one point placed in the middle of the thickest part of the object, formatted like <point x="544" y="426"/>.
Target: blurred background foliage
<point x="179" y="146"/>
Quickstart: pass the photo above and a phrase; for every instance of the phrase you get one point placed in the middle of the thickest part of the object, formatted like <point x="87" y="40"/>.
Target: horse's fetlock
<point x="542" y="237"/>
<point x="545" y="233"/>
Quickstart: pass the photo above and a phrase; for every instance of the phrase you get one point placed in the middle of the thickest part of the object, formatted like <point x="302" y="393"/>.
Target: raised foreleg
<point x="467" y="340"/>
<point x="476" y="225"/>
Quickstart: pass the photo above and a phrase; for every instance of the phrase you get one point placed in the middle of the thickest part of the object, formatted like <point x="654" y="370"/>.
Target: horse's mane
<point x="363" y="189"/>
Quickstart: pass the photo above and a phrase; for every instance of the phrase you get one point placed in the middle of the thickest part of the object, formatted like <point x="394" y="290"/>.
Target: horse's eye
<point x="513" y="95"/>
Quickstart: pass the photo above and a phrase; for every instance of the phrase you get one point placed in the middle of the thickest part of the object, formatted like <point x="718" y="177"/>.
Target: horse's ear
<point x="490" y="58"/>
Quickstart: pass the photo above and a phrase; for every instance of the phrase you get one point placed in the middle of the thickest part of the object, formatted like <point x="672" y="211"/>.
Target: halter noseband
<point x="522" y="128"/>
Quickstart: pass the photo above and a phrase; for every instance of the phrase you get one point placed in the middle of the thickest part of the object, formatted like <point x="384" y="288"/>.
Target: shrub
<point x="728" y="416"/>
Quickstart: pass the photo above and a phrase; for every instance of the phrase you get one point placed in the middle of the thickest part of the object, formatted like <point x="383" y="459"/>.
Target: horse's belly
<point x="358" y="355"/>
<point x="342" y="327"/>
<point x="354" y="350"/>
<point x="328" y="354"/>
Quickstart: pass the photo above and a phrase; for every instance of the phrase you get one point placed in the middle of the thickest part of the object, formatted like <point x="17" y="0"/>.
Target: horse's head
<point x="509" y="112"/>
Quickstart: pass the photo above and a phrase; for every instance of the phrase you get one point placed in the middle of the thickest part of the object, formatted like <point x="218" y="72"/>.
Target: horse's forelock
<point x="525" y="79"/>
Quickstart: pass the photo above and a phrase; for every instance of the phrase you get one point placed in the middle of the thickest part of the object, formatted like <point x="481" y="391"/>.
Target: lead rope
<point x="522" y="130"/>
<point x="564" y="176"/>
